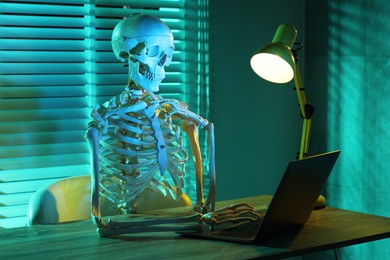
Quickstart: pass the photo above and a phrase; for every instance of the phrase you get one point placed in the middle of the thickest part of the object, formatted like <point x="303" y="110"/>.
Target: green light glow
<point x="56" y="63"/>
<point x="358" y="94"/>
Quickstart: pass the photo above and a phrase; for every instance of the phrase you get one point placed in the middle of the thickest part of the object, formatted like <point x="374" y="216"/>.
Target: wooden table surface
<point x="326" y="229"/>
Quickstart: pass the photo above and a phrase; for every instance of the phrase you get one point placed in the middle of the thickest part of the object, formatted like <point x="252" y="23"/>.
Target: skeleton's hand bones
<point x="233" y="214"/>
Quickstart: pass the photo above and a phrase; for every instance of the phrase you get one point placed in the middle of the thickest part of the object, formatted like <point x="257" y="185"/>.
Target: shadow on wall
<point x="349" y="67"/>
<point x="258" y="127"/>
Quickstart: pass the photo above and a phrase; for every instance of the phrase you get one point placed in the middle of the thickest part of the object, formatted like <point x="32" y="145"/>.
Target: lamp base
<point x="321" y="203"/>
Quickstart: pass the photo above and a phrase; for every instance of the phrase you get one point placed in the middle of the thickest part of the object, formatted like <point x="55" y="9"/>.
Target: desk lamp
<point x="277" y="63"/>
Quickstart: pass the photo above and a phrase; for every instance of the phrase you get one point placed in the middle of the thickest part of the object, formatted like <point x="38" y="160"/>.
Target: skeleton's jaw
<point x="144" y="78"/>
<point x="143" y="70"/>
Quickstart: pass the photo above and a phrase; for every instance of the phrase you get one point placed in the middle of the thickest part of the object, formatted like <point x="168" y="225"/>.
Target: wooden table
<point x="327" y="229"/>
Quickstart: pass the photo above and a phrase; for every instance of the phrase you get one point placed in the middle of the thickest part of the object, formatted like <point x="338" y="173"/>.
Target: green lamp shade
<point x="275" y="62"/>
<point x="275" y="67"/>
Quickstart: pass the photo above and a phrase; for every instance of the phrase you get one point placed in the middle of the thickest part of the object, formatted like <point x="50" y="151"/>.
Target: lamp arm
<point x="306" y="111"/>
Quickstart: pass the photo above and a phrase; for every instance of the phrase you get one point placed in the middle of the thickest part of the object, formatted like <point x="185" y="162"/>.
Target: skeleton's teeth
<point x="149" y="75"/>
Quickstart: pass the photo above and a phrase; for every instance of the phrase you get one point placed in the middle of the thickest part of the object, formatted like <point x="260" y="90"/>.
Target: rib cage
<point x="129" y="156"/>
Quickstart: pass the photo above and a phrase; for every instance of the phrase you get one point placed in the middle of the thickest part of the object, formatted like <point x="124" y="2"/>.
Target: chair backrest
<point x="69" y="199"/>
<point x="66" y="200"/>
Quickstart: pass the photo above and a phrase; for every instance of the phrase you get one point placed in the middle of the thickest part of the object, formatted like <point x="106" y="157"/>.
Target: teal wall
<point x="257" y="124"/>
<point x="348" y="66"/>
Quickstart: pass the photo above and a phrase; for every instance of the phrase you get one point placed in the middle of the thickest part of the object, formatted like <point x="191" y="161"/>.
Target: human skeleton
<point x="135" y="137"/>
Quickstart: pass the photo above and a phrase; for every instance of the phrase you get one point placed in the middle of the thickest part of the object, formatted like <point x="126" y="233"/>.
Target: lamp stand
<point x="306" y="111"/>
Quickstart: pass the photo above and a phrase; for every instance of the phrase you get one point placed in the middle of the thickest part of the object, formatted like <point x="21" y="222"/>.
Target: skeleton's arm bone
<point x="103" y="232"/>
<point x="156" y="221"/>
<point x="191" y="131"/>
<point x="93" y="136"/>
<point x="210" y="203"/>
<point x="236" y="213"/>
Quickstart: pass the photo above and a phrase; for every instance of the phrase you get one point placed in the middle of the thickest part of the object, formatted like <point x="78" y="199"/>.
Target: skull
<point x="145" y="43"/>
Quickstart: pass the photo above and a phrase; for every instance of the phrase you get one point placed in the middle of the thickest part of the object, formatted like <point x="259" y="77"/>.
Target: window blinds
<point x="56" y="63"/>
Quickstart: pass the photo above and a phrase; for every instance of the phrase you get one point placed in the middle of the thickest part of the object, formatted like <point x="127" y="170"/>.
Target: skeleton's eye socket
<point x="138" y="48"/>
<point x="153" y="51"/>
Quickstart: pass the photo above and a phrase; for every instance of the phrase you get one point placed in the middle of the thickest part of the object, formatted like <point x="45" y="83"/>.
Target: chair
<point x="66" y="200"/>
<point x="69" y="199"/>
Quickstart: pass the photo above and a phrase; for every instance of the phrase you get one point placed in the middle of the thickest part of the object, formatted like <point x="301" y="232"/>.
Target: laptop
<point x="290" y="207"/>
